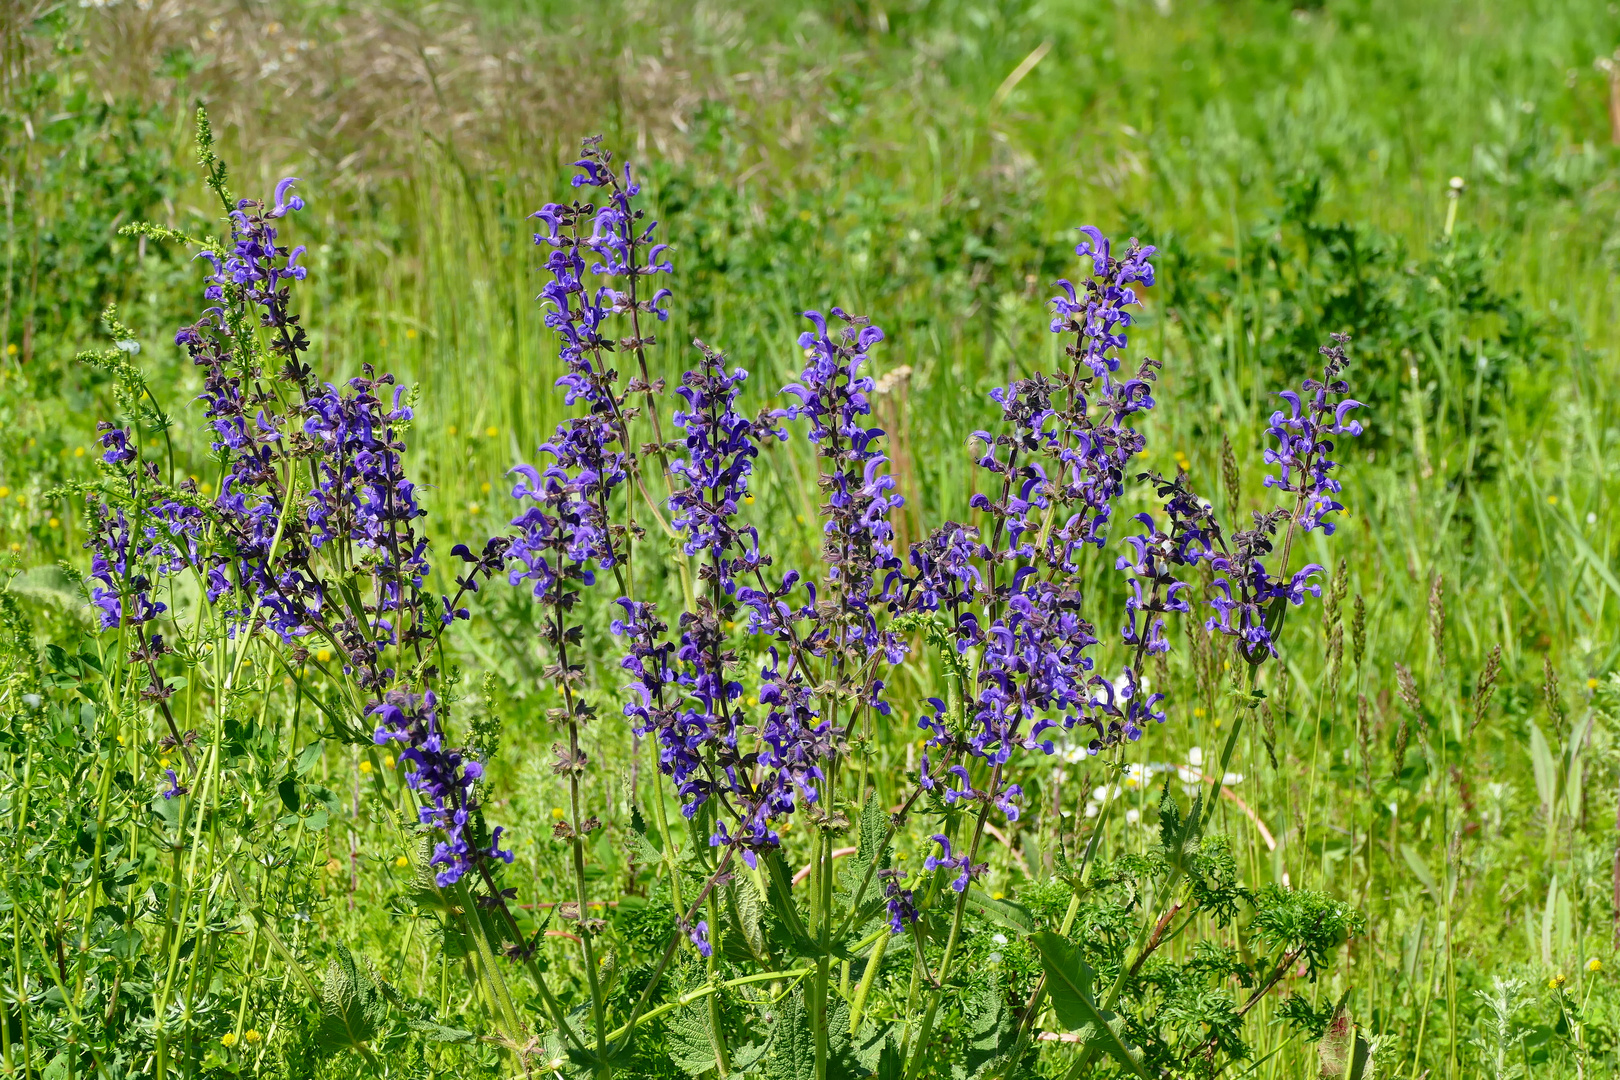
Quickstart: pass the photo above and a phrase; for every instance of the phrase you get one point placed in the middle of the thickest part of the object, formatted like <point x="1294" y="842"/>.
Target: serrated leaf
<point x="690" y="1038"/>
<point x="983" y="1008"/>
<point x="745" y="911"/>
<point x="748" y="1060"/>
<point x="871" y="1041"/>
<point x="1178" y="835"/>
<point x="990" y="1031"/>
<point x="792" y="1053"/>
<point x="439" y="1033"/>
<point x="642" y="846"/>
<point x="353" y="1006"/>
<point x="783" y="925"/>
<point x="872" y="848"/>
<point x="1068" y="984"/>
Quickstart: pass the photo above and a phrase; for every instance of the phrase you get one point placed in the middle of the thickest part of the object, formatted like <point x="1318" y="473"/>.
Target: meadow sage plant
<point x="752" y="912"/>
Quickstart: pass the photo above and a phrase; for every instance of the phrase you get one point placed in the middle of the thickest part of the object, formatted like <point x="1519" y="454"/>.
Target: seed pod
<point x="1437" y="619"/>
<point x="1549" y="690"/>
<point x="1401" y="737"/>
<point x="1485" y="687"/>
<point x="1229" y="475"/>
<point x="1407" y="687"/>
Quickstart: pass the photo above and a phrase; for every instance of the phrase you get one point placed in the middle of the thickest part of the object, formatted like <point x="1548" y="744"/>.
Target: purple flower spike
<point x="443" y="776"/>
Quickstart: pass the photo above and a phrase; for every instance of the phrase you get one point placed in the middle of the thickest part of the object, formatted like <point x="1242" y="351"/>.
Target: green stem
<point x="704" y="991"/>
<point x="926" y="1031"/>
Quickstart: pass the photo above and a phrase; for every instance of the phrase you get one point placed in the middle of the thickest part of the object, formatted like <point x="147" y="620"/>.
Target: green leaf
<point x="1008" y="913"/>
<point x="168" y="810"/>
<point x="784" y="925"/>
<point x="1545" y="767"/>
<point x="642" y="847"/>
<point x="1068" y="983"/>
<point x="308" y="758"/>
<point x="288" y="790"/>
<point x="872" y="1041"/>
<point x="872" y="849"/>
<point x="690" y="1038"/>
<point x="988" y="1025"/>
<point x="1420" y="870"/>
<point x="746" y="914"/>
<point x="744" y="1058"/>
<point x="1178" y="835"/>
<point x="792" y="1054"/>
<point x="353" y="1006"/>
<point x="1360" y="1060"/>
<point x="439" y="1033"/>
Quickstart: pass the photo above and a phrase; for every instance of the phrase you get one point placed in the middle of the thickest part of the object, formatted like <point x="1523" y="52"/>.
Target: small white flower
<point x="1232" y="779"/>
<point x="1133" y="816"/>
<point x="999" y="939"/>
<point x="1091" y="810"/>
<point x="1195" y="757"/>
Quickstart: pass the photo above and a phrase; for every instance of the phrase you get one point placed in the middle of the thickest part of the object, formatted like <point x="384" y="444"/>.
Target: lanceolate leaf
<point x="1008" y="913"/>
<point x="1068" y="981"/>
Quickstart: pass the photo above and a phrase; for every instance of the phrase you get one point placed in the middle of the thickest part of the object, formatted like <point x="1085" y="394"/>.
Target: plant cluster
<point x="301" y="591"/>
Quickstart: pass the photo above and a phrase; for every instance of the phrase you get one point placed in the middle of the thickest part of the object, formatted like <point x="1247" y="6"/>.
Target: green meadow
<point x="1440" y="751"/>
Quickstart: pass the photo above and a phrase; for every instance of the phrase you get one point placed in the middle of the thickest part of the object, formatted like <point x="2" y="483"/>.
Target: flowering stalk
<point x="311" y="539"/>
<point x="1259" y="597"/>
<point x="1001" y="598"/>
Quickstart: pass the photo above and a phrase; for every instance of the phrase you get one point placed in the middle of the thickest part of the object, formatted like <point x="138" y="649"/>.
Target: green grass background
<point x="1292" y="165"/>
